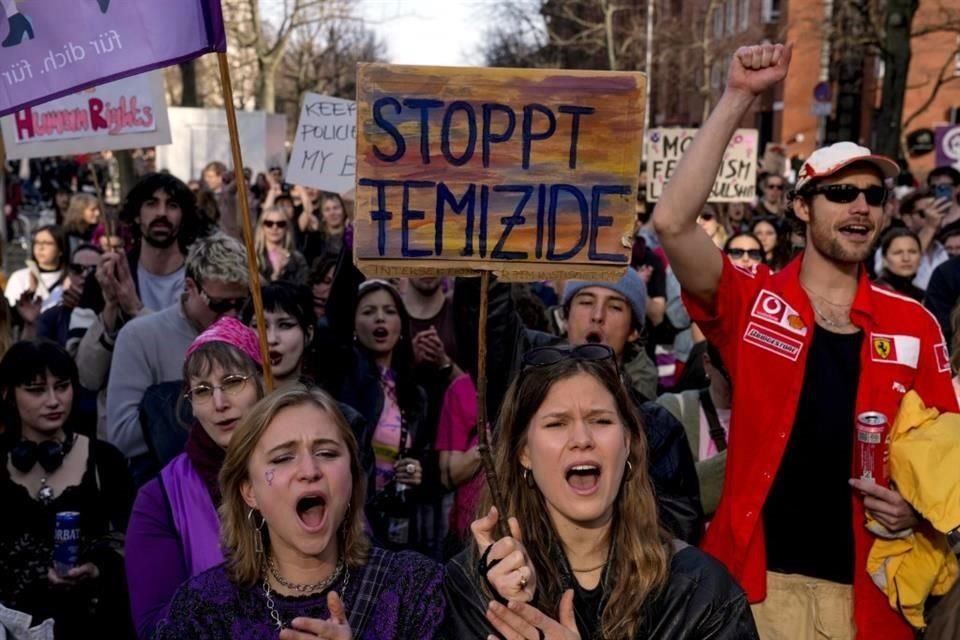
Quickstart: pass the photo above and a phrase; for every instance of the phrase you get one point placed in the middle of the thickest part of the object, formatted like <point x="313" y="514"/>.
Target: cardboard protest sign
<point x="59" y="47"/>
<point x="125" y="114"/>
<point x="736" y="180"/>
<point x="520" y="172"/>
<point x="325" y="144"/>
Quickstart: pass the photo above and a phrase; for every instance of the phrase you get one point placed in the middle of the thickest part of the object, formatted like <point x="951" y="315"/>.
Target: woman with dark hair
<point x="776" y="247"/>
<point x="587" y="557"/>
<point x="320" y="281"/>
<point x="174" y="531"/>
<point x="744" y="250"/>
<point x="48" y="469"/>
<point x="900" y="249"/>
<point x="288" y="311"/>
<point x="44" y="270"/>
<point x="299" y="565"/>
<point x="375" y="376"/>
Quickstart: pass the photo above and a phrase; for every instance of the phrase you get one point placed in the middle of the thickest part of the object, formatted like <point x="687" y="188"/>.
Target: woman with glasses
<point x="586" y="556"/>
<point x="711" y="223"/>
<point x="174" y="531"/>
<point x="50" y="469"/>
<point x="744" y="250"/>
<point x="900" y="249"/>
<point x="275" y="252"/>
<point x="44" y="270"/>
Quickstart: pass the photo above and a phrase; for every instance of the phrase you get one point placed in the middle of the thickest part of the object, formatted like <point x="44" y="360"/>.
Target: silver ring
<point x="411" y="468"/>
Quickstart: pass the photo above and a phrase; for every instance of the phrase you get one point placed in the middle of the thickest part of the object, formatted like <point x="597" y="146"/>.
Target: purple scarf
<point x="188" y="489"/>
<point x="207" y="458"/>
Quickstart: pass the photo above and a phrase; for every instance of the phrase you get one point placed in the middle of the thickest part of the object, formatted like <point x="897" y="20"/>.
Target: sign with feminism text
<point x="325" y="144"/>
<point x="53" y="48"/>
<point x="124" y="114"/>
<point x="520" y="172"/>
<point x="736" y="181"/>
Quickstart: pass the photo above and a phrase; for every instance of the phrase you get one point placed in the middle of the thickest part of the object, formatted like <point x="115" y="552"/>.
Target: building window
<point x="731" y="11"/>
<point x="771" y="11"/>
<point x="718" y="21"/>
<point x="744" y="15"/>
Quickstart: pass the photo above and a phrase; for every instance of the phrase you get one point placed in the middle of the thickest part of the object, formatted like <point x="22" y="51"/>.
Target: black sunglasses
<point x="546" y="356"/>
<point x="847" y="193"/>
<point x="707" y="215"/>
<point x="778" y="186"/>
<point x="753" y="254"/>
<point x="81" y="269"/>
<point x="270" y="224"/>
<point x="222" y="305"/>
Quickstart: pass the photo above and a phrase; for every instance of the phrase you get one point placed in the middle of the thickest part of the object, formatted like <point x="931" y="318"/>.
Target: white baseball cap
<point x="828" y="160"/>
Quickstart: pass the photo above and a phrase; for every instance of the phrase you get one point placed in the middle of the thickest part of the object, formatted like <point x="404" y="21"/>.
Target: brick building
<point x="688" y="77"/>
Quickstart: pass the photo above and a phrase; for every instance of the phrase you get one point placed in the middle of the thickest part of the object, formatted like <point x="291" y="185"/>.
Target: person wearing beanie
<point x="174" y="531"/>
<point x="609" y="313"/>
<point x="811" y="348"/>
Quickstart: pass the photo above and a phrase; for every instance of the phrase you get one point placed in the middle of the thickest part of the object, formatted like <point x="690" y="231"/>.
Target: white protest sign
<point x="125" y="114"/>
<point x="325" y="144"/>
<point x="736" y="180"/>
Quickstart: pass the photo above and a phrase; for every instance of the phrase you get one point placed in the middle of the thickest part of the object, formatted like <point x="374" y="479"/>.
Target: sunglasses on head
<point x="546" y="356"/>
<point x="222" y="305"/>
<point x="875" y="195"/>
<point x="279" y="224"/>
<point x="753" y="254"/>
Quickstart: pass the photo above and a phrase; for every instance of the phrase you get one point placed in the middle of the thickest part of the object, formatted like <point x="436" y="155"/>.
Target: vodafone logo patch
<point x="772" y="308"/>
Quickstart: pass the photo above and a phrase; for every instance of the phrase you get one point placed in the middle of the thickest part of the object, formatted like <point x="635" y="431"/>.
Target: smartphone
<point x="944" y="191"/>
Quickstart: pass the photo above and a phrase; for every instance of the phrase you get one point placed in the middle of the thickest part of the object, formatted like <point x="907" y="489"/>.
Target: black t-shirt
<point x="808" y="514"/>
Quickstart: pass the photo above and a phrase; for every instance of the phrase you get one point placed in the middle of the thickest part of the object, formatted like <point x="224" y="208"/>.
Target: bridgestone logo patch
<point x="773" y="341"/>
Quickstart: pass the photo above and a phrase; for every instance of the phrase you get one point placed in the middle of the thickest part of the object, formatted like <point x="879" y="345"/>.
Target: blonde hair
<point x="244" y="563"/>
<point x="73" y="221"/>
<point x="640" y="550"/>
<point x="260" y="235"/>
<point x="217" y="257"/>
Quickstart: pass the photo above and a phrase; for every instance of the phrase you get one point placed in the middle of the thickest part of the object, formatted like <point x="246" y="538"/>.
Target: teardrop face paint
<point x="268" y="476"/>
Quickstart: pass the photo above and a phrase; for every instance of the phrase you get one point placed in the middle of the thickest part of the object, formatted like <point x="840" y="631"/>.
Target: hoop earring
<point x="258" y="531"/>
<point x="528" y="478"/>
<point x="629" y="472"/>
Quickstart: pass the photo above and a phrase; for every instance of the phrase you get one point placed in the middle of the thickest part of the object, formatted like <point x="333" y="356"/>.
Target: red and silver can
<point x="871" y="448"/>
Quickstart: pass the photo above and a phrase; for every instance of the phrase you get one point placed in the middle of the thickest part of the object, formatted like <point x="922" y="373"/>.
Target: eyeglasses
<point x="279" y="224"/>
<point x="81" y="269"/>
<point x="222" y="305"/>
<point x="546" y="356"/>
<point x="847" y="193"/>
<point x="753" y="254"/>
<point x="230" y="385"/>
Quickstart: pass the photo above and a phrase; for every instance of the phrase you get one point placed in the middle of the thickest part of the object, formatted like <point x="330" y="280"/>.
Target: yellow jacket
<point x="925" y="466"/>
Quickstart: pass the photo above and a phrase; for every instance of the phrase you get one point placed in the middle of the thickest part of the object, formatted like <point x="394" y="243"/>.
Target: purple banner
<point x="947" y="140"/>
<point x="52" y="48"/>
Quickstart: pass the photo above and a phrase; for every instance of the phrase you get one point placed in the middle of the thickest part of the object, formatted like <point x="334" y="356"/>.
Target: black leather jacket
<point x="700" y="601"/>
<point x="671" y="464"/>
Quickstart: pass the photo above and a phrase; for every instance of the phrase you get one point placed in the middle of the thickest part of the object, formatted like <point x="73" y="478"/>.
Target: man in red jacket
<point x="809" y="349"/>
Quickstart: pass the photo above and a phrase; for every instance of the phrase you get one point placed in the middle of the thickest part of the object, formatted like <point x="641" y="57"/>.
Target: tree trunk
<point x="188" y="79"/>
<point x="896" y="66"/>
<point x="266" y="86"/>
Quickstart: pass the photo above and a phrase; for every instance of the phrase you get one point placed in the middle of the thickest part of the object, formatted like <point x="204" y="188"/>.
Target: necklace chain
<point x="301" y="588"/>
<point x="822" y="316"/>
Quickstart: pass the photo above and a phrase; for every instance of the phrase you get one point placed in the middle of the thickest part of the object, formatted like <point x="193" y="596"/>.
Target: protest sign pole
<point x="241" y="182"/>
<point x="483" y="433"/>
<point x="107" y="222"/>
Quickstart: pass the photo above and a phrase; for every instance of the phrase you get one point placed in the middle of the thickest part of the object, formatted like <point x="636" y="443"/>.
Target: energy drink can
<point x="870" y="452"/>
<point x="66" y="542"/>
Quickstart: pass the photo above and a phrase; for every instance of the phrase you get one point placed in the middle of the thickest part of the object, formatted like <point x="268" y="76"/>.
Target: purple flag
<point x="52" y="48"/>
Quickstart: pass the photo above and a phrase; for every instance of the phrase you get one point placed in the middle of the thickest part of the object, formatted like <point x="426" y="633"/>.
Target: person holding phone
<point x="944" y="182"/>
<point x="924" y="215"/>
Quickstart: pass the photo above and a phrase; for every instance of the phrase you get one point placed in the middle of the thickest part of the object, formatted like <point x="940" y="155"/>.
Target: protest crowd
<point x="676" y="448"/>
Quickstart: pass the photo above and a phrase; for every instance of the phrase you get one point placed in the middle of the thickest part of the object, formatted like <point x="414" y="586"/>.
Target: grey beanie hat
<point x="631" y="286"/>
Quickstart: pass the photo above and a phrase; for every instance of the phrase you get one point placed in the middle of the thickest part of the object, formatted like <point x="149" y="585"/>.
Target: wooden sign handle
<point x="483" y="433"/>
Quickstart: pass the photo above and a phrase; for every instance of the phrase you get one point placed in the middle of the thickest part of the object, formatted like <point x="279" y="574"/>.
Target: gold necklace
<point x="599" y="566"/>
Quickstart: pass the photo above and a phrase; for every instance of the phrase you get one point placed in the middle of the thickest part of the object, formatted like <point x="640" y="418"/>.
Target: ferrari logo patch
<point x="883" y="347"/>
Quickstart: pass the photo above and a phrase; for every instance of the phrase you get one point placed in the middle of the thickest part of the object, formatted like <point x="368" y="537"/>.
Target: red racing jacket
<point x="763" y="324"/>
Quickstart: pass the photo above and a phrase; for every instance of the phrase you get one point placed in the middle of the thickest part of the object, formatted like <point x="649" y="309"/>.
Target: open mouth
<point x="226" y="425"/>
<point x="583" y="478"/>
<point x="275" y="358"/>
<point x="312" y="511"/>
<point x="594" y="338"/>
<point x="856" y="231"/>
<point x="380" y="333"/>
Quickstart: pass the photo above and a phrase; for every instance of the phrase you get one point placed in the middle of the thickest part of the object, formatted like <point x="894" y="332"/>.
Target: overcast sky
<point x="432" y="32"/>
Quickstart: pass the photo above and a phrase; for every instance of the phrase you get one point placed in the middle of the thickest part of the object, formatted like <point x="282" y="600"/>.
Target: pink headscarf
<point x="234" y="333"/>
